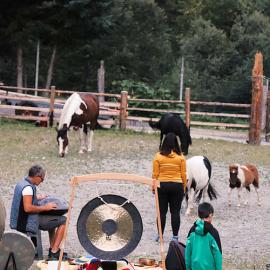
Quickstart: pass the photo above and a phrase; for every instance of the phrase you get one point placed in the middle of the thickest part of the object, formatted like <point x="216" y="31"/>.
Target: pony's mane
<point x="71" y="106"/>
<point x="235" y="165"/>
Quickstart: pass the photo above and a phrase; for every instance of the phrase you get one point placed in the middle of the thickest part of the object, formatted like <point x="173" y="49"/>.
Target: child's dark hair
<point x="205" y="209"/>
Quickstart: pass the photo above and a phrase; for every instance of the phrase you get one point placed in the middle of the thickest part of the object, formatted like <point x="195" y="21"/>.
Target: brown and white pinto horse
<point x="243" y="177"/>
<point x="78" y="110"/>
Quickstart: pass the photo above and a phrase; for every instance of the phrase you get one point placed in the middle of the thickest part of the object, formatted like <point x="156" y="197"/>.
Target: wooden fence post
<point x="101" y="80"/>
<point x="256" y="104"/>
<point x="123" y="109"/>
<point x="264" y="104"/>
<point x="51" y="112"/>
<point x="267" y="124"/>
<point x="187" y="107"/>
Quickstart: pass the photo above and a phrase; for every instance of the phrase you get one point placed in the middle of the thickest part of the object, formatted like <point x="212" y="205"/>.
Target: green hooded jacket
<point x="203" y="247"/>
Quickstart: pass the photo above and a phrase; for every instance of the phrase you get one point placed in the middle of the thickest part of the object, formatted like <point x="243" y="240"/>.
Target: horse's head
<point x="184" y="147"/>
<point x="154" y="125"/>
<point x="233" y="168"/>
<point x="62" y="140"/>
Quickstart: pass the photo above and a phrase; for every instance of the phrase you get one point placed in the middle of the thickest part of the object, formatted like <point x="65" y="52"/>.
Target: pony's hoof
<point x="229" y="204"/>
<point x="246" y="203"/>
<point x="238" y="205"/>
<point x="259" y="203"/>
<point x="81" y="152"/>
<point x="89" y="150"/>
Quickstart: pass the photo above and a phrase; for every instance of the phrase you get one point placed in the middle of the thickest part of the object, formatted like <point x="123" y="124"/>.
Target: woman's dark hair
<point x="205" y="209"/>
<point x="169" y="144"/>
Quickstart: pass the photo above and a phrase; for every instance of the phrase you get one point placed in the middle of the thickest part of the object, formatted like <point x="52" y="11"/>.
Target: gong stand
<point x="12" y="260"/>
<point x="114" y="177"/>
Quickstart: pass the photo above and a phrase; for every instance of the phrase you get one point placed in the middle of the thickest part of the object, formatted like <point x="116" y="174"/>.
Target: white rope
<point x="116" y="206"/>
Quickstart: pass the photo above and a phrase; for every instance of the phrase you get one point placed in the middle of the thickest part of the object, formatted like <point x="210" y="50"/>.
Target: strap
<point x="116" y="206"/>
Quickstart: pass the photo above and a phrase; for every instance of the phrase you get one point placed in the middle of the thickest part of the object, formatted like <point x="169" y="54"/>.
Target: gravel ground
<point x="245" y="231"/>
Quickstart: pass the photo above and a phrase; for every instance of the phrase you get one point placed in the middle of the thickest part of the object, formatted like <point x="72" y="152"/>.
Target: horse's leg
<point x="93" y="125"/>
<point x="258" y="197"/>
<point x="230" y="196"/>
<point x="247" y="194"/>
<point x="161" y="137"/>
<point x="90" y="140"/>
<point x="204" y="193"/>
<point x="239" y="196"/>
<point x="190" y="201"/>
<point x="82" y="140"/>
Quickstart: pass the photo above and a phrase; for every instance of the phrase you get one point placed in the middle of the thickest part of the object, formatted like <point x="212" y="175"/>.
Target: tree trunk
<point x="50" y="69"/>
<point x="37" y="67"/>
<point x="101" y="80"/>
<point x="19" y="67"/>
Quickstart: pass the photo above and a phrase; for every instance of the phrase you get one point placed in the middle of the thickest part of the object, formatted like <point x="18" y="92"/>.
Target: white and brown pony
<point x="242" y="177"/>
<point x="199" y="172"/>
<point x="79" y="110"/>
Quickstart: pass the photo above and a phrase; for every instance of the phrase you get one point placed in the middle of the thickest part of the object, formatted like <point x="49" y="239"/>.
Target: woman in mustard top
<point x="169" y="167"/>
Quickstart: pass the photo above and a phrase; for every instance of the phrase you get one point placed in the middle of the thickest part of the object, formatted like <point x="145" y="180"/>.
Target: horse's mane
<point x="71" y="106"/>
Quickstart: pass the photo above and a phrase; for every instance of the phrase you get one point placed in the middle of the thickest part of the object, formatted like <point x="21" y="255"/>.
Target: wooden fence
<point x="119" y="111"/>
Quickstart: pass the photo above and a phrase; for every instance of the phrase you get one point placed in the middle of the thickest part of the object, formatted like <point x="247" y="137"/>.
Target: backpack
<point x="175" y="259"/>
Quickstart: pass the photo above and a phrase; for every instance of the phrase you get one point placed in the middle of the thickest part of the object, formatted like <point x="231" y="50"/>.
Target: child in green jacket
<point x="203" y="247"/>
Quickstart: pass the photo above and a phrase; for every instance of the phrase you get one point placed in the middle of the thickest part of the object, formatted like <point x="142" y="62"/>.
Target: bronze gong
<point x="109" y="227"/>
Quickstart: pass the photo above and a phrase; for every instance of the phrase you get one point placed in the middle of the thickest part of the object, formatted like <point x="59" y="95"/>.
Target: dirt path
<point x="245" y="231"/>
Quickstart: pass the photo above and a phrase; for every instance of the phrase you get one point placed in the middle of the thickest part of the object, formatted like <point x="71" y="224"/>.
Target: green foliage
<point x="141" y="42"/>
<point x="140" y="90"/>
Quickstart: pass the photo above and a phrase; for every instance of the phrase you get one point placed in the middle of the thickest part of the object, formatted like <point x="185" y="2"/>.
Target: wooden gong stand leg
<point x="72" y="195"/>
<point x="159" y="228"/>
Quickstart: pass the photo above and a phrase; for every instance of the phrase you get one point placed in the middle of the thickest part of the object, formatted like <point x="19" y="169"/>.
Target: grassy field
<point x="23" y="145"/>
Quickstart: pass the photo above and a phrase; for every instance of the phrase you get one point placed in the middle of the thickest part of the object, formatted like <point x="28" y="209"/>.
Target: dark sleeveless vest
<point x="19" y="219"/>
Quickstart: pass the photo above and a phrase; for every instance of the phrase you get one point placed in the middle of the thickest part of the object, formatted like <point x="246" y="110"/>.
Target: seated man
<point x="24" y="216"/>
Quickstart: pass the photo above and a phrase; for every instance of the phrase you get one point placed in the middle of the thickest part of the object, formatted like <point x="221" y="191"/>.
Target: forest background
<point x="142" y="43"/>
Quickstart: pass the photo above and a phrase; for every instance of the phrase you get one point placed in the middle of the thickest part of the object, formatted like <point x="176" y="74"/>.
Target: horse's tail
<point x="211" y="191"/>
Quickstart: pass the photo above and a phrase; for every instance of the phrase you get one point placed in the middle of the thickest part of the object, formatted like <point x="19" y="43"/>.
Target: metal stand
<point x="11" y="259"/>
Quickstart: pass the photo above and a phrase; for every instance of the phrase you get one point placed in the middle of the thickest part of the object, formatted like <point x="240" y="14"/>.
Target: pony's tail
<point x="212" y="193"/>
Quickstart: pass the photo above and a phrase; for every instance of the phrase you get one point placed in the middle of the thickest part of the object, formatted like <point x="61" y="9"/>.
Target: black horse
<point x="173" y="123"/>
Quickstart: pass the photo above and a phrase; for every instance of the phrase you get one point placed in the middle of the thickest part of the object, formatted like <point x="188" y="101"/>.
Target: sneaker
<point x="157" y="239"/>
<point x="55" y="256"/>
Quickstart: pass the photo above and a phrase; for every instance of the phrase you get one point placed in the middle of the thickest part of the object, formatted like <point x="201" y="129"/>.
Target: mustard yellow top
<point x="171" y="168"/>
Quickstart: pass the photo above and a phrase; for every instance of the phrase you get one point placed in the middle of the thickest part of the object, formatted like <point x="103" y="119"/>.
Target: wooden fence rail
<point x="121" y="112"/>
